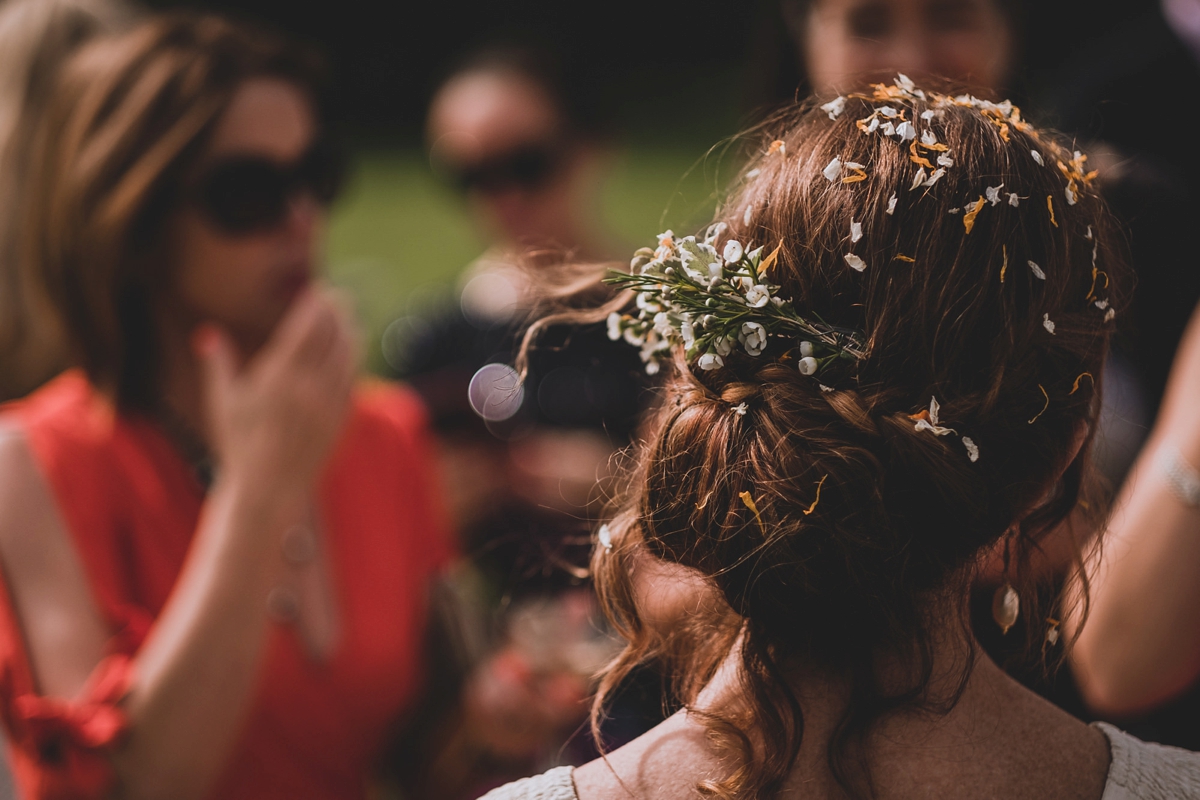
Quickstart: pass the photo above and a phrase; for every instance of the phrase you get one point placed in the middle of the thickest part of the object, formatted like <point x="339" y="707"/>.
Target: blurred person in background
<point x="216" y="549"/>
<point x="36" y="36"/>
<point x="515" y="130"/>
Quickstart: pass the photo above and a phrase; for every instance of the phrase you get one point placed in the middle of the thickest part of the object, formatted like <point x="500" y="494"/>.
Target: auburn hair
<point x="862" y="523"/>
<point x="129" y="117"/>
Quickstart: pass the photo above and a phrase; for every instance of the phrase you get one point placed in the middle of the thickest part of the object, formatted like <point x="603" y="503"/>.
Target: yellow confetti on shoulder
<point x="972" y="213"/>
<point x="816" y="499"/>
<point x="1043" y="411"/>
<point x="1082" y="375"/>
<point x="1050" y="205"/>
<point x="1004" y="263"/>
<point x="748" y="501"/>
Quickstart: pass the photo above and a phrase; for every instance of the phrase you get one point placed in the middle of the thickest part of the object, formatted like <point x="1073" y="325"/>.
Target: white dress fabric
<point x="1139" y="771"/>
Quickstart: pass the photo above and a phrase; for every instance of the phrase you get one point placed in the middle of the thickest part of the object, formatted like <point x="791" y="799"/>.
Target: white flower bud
<point x="808" y="365"/>
<point x="614" y="325"/>
<point x="711" y="361"/>
<point x="806" y="349"/>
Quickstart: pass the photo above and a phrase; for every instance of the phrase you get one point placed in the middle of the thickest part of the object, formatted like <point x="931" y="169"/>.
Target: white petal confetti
<point x="1013" y="199"/>
<point x="1070" y="193"/>
<point x="927" y="115"/>
<point x="746" y="216"/>
<point x="1109" y="315"/>
<point x="855" y="231"/>
<point x="854" y="165"/>
<point x="944" y="160"/>
<point x="887" y="129"/>
<point x="1037" y="157"/>
<point x="927" y="138"/>
<point x="826" y="389"/>
<point x="1037" y="273"/>
<point x="938" y="174"/>
<point x="741" y="409"/>
<point x="906" y="131"/>
<point x="888" y="112"/>
<point x="1101" y="304"/>
<point x="918" y="179"/>
<point x="1048" y="323"/>
<point x="605" y="537"/>
<point x="891" y="206"/>
<point x="972" y="449"/>
<point x="993" y="194"/>
<point x="834" y="107"/>
<point x="833" y="170"/>
<point x="855" y="262"/>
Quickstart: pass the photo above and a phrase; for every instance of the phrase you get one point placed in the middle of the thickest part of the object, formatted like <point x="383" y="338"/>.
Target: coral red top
<point x="131" y="505"/>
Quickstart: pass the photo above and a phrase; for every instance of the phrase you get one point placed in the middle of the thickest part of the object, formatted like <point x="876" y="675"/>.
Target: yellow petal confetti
<point x="1003" y="264"/>
<point x="972" y="212"/>
<point x="858" y="174"/>
<point x="1050" y="205"/>
<point x="1043" y="411"/>
<point x="917" y="158"/>
<point x="909" y="259"/>
<point x="748" y="500"/>
<point x="777" y="146"/>
<point x="816" y="499"/>
<point x="769" y="261"/>
<point x="1082" y="375"/>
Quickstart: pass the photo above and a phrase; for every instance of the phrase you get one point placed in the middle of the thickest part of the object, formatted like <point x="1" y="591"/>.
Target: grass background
<point x="399" y="237"/>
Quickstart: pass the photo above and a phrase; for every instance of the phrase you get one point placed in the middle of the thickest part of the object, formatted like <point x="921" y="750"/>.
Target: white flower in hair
<point x="633" y="337"/>
<point x="834" y="107"/>
<point x="808" y="365"/>
<point x="710" y="361"/>
<point x="714" y="232"/>
<point x="832" y="170"/>
<point x="723" y="346"/>
<point x="688" y="333"/>
<point x="614" y="325"/>
<point x="733" y="251"/>
<point x="758" y="296"/>
<point x="753" y="338"/>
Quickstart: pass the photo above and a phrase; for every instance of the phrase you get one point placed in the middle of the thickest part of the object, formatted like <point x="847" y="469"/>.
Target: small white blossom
<point x="652" y="366"/>
<point x="605" y="537"/>
<point x="614" y="325"/>
<point x="662" y="323"/>
<point x="1037" y="272"/>
<point x="758" y="296"/>
<point x="944" y="160"/>
<point x="714" y="232"/>
<point x="993" y="194"/>
<point x="855" y="231"/>
<point x="723" y="345"/>
<point x="808" y="365"/>
<point x="834" y="107"/>
<point x="776" y="301"/>
<point x="743" y="283"/>
<point x="1038" y="158"/>
<point x="753" y="338"/>
<point x="740" y="409"/>
<point x="1048" y="323"/>
<point x="733" y="251"/>
<point x="906" y="131"/>
<point x="632" y="337"/>
<point x="806" y="349"/>
<point x="646" y="302"/>
<point x="710" y="361"/>
<point x="972" y="449"/>
<point x="1013" y="199"/>
<point x="833" y="170"/>
<point x="891" y="206"/>
<point x="855" y="262"/>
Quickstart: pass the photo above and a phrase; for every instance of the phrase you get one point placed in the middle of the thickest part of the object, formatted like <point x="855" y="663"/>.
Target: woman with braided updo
<point x="882" y="371"/>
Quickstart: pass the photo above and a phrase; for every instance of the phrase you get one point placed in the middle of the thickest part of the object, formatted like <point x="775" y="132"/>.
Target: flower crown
<point x="689" y="294"/>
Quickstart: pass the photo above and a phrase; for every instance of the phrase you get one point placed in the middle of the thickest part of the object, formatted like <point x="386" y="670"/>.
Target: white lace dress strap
<point x="553" y="785"/>
<point x="1144" y="771"/>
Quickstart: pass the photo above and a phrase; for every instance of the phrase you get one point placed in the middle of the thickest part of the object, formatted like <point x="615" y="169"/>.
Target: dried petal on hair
<point x="954" y="211"/>
<point x="1014" y="199"/>
<point x="1038" y="158"/>
<point x="927" y="115"/>
<point x="854" y="165"/>
<point x="928" y="138"/>
<point x="832" y="170"/>
<point x="1088" y="235"/>
<point x="1050" y="205"/>
<point x="888" y="129"/>
<point x="868" y="124"/>
<point x="1081" y="376"/>
<point x="1101" y="304"/>
<point x="1047" y="405"/>
<point x="906" y="131"/>
<point x="889" y="112"/>
<point x="936" y="176"/>
<point x="855" y="262"/>
<point x="859" y="174"/>
<point x="1048" y="323"/>
<point x="740" y="409"/>
<point x="765" y="266"/>
<point x="856" y="231"/>
<point x="777" y="146"/>
<point x="604" y="535"/>
<point x="826" y="389"/>
<point x="891" y="206"/>
<point x="835" y="107"/>
<point x="993" y="194"/>
<point x="972" y="212"/>
<point x="1052" y="631"/>
<point x="1004" y="263"/>
<point x="1004" y="132"/>
<point x="909" y="259"/>
<point x="918" y="179"/>
<point x="1037" y="271"/>
<point x="972" y="448"/>
<point x="816" y="499"/>
<point x="746" y="215"/>
<point x="1109" y="315"/>
<point x="915" y="157"/>
<point x="928" y="419"/>
<point x="1070" y="193"/>
<point x="748" y="501"/>
<point x="944" y="160"/>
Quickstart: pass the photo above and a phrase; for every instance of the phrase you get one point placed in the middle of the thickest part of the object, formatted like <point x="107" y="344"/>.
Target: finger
<point x="218" y="363"/>
<point x="289" y="334"/>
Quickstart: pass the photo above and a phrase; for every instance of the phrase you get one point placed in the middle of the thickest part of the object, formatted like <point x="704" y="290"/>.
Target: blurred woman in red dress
<point x="216" y="549"/>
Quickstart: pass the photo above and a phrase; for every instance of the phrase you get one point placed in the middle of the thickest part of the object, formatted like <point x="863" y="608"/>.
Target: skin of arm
<point x="272" y="424"/>
<point x="1140" y="645"/>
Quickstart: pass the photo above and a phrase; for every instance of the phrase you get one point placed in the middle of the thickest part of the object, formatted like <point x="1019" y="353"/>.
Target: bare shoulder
<point x="44" y="578"/>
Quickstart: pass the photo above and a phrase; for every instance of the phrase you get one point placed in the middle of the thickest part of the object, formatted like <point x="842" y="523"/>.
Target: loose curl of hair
<point x="904" y="517"/>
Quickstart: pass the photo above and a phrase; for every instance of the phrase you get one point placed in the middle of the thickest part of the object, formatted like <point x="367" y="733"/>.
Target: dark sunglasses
<point x="528" y="167"/>
<point x="249" y="194"/>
